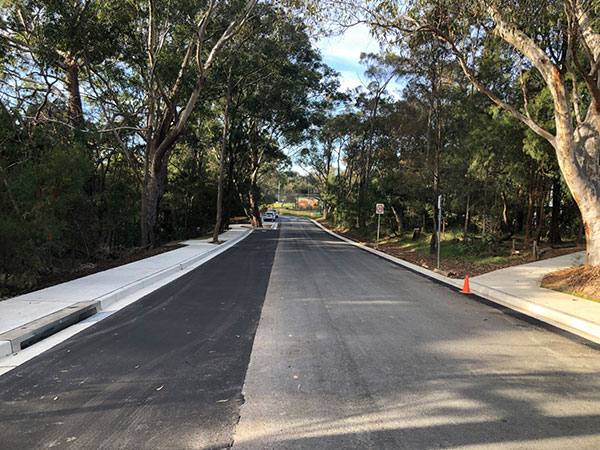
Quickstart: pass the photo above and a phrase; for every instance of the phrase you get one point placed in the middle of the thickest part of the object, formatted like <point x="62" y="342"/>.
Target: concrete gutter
<point x="573" y="324"/>
<point x="32" y="332"/>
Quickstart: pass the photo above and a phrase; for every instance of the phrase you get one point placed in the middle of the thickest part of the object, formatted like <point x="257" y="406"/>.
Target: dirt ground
<point x="51" y="279"/>
<point x="457" y="267"/>
<point x="582" y="280"/>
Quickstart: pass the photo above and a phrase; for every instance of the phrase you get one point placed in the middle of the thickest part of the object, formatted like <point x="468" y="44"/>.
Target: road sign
<point x="379" y="212"/>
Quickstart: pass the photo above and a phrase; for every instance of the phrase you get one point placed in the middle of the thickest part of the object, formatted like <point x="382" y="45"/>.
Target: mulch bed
<point x="456" y="267"/>
<point x="580" y="280"/>
<point x="459" y="268"/>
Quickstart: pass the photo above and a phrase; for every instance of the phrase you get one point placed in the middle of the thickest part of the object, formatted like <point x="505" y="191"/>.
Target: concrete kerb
<point x="580" y="327"/>
<point x="11" y="341"/>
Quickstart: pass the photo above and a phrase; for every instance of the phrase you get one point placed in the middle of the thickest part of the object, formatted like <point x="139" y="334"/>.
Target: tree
<point x="61" y="38"/>
<point x="561" y="42"/>
<point x="169" y="58"/>
<point x="276" y="86"/>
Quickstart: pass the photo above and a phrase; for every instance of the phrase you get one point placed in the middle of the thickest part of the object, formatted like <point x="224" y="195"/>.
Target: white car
<point x="268" y="216"/>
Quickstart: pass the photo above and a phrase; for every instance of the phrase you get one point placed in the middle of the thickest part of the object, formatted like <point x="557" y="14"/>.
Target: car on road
<point x="275" y="213"/>
<point x="268" y="216"/>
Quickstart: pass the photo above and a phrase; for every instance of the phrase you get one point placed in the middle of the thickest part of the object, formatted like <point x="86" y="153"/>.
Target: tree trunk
<point x="398" y="220"/>
<point x="485" y="206"/>
<point x="505" y="223"/>
<point x="436" y="177"/>
<point x="253" y="195"/>
<point x="518" y="225"/>
<point x="556" y="201"/>
<point x="361" y="220"/>
<point x="254" y="208"/>
<point x="541" y="211"/>
<point x="530" y="199"/>
<point x="155" y="192"/>
<point x="74" y="105"/>
<point x="585" y="194"/>
<point x="436" y="188"/>
<point x="578" y="154"/>
<point x="219" y="217"/>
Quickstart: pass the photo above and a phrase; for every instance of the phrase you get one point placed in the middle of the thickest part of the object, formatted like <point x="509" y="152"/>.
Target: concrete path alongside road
<point x="105" y="288"/>
<point x="519" y="288"/>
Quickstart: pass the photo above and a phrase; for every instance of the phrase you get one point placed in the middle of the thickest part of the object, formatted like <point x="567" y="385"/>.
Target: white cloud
<point x="342" y="53"/>
<point x="349" y="46"/>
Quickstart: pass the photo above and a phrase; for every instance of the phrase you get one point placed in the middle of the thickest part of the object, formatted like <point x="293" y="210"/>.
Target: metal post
<point x="439" y="229"/>
<point x="378" y="223"/>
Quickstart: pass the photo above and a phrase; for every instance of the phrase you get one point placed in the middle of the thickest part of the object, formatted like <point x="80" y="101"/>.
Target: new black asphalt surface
<point x="352" y="352"/>
<point x="163" y="373"/>
<point x="355" y="352"/>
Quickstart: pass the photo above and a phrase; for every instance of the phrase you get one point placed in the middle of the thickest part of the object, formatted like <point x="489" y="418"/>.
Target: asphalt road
<point x="354" y="352"/>
<point x="163" y="373"/>
<point x="351" y="352"/>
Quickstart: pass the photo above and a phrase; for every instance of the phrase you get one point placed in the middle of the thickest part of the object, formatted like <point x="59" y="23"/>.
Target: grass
<point x="290" y="209"/>
<point x="573" y="293"/>
<point x="299" y="213"/>
<point x="283" y="205"/>
<point x="451" y="247"/>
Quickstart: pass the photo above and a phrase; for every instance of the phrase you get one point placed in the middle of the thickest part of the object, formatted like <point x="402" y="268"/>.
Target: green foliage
<point x="44" y="209"/>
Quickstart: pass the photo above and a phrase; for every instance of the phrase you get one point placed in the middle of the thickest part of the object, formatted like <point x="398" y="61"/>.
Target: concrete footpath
<point x="29" y="318"/>
<point x="518" y="288"/>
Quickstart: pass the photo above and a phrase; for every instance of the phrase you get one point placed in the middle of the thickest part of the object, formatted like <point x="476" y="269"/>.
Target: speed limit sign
<point x="379" y="208"/>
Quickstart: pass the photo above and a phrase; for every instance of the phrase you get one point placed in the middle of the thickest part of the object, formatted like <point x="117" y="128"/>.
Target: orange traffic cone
<point x="465" y="289"/>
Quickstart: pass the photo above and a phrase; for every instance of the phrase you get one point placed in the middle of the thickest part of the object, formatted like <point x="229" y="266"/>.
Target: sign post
<point x="439" y="229"/>
<point x="379" y="211"/>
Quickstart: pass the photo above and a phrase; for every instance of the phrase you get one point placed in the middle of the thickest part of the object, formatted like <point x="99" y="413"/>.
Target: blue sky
<point x="342" y="53"/>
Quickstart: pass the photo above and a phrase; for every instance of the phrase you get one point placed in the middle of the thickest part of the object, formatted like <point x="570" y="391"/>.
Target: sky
<point x="342" y="53"/>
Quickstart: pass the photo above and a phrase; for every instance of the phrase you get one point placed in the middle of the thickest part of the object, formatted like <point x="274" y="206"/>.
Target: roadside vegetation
<point x="291" y="210"/>
<point x="125" y="125"/>
<point x="457" y="257"/>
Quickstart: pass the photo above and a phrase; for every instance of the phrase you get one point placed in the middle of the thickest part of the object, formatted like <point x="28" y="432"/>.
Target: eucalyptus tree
<point x="324" y="150"/>
<point x="557" y="38"/>
<point x="276" y="87"/>
<point x="152" y="90"/>
<point x="51" y="42"/>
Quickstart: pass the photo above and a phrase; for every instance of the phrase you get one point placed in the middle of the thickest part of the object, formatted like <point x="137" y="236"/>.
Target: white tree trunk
<point x="578" y="161"/>
<point x="577" y="149"/>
